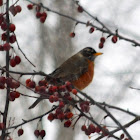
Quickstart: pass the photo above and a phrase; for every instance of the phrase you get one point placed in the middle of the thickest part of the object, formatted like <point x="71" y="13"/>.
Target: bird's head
<point x="90" y="53"/>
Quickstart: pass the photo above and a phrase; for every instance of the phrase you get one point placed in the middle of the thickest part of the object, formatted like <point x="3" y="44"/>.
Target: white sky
<point x="115" y="71"/>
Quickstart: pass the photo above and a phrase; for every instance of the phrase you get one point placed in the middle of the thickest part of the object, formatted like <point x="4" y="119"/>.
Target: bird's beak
<point x="98" y="53"/>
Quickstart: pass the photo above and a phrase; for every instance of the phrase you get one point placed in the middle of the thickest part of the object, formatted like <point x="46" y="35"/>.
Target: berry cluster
<point x="8" y="26"/>
<point x="4" y="82"/>
<point x="15" y="61"/>
<point x="4" y="37"/>
<point x="90" y="129"/>
<point x="41" y="133"/>
<point x="102" y="41"/>
<point x="92" y="29"/>
<point x="15" y="9"/>
<point x="61" y="114"/>
<point x="51" y="92"/>
<point x="39" y="15"/>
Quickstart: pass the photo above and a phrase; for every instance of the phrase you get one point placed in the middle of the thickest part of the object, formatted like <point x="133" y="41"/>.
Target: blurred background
<point x="48" y="45"/>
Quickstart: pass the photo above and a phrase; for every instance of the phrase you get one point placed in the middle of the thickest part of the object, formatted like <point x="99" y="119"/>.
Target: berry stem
<point x="77" y="121"/>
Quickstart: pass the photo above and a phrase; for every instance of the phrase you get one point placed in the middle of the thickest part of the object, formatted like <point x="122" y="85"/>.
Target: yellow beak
<point x="98" y="53"/>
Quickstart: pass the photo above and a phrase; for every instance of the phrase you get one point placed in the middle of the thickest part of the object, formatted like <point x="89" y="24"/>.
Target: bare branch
<point x="26" y="121"/>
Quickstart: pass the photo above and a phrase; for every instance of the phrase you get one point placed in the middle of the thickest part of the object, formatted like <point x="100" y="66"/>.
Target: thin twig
<point x="26" y="121"/>
<point x="120" y="109"/>
<point x="108" y="113"/>
<point x="23" y="53"/>
<point x="125" y="126"/>
<point x="134" y="43"/>
<point x="134" y="88"/>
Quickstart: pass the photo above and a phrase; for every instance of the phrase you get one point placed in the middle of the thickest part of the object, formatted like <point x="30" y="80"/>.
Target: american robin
<point x="78" y="69"/>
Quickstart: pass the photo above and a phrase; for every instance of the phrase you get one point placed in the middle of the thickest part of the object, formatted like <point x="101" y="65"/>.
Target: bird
<point x="78" y="69"/>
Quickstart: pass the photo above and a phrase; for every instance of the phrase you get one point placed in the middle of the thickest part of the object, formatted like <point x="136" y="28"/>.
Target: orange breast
<point x="85" y="79"/>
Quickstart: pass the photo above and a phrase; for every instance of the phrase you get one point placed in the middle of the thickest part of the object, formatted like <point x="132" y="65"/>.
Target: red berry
<point x="54" y="88"/>
<point x="1" y="18"/>
<point x="102" y="39"/>
<point x="42" y="83"/>
<point x="72" y="34"/>
<point x="12" y="39"/>
<point x="105" y="131"/>
<point x="12" y="62"/>
<point x="85" y="108"/>
<point x="20" y="132"/>
<point x="11" y="97"/>
<point x="12" y="27"/>
<point x="42" y="19"/>
<point x="2" y="86"/>
<point x="9" y="81"/>
<point x="51" y="117"/>
<point x="4" y="37"/>
<point x="1" y="2"/>
<point x="15" y="84"/>
<point x="121" y="136"/>
<point x="92" y="128"/>
<point x="2" y="80"/>
<point x="12" y="94"/>
<point x="18" y="8"/>
<point x="28" y="81"/>
<point x="62" y="88"/>
<point x="91" y="30"/>
<point x="74" y="91"/>
<point x="32" y="84"/>
<point x="67" y="123"/>
<point x="44" y="14"/>
<point x="61" y="104"/>
<point x="68" y="83"/>
<point x="51" y="98"/>
<point x="83" y="128"/>
<point x="98" y="130"/>
<point x="30" y="6"/>
<point x="6" y="46"/>
<point x="114" y="39"/>
<point x="59" y="111"/>
<point x="61" y="116"/>
<point x="17" y="59"/>
<point x="42" y="89"/>
<point x="69" y="98"/>
<point x="69" y="115"/>
<point x="68" y="86"/>
<point x="101" y="45"/>
<point x="55" y="98"/>
<point x="36" y="133"/>
<point x="17" y="94"/>
<point x="4" y="26"/>
<point x="13" y="10"/>
<point x="42" y="133"/>
<point x="2" y="126"/>
<point x="38" y="14"/>
<point x="87" y="132"/>
<point x="80" y="9"/>
<point x="1" y="48"/>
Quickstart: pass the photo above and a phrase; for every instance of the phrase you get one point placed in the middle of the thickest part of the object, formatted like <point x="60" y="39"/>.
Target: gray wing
<point x="72" y="69"/>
